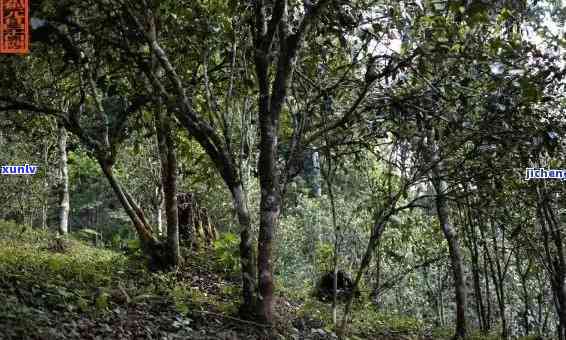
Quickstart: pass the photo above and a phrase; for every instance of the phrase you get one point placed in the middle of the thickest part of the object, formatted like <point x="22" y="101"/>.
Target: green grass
<point x="26" y="256"/>
<point x="39" y="277"/>
<point x="50" y="284"/>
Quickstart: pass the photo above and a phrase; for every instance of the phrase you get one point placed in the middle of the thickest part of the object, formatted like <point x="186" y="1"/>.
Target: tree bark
<point x="159" y="207"/>
<point x="450" y="233"/>
<point x="474" y="251"/>
<point x="64" y="202"/>
<point x="272" y="95"/>
<point x="498" y="274"/>
<point x="270" y="206"/>
<point x="487" y="287"/>
<point x="247" y="258"/>
<point x="524" y="278"/>
<point x="168" y="158"/>
<point x="451" y="236"/>
<point x="336" y="248"/>
<point x="169" y="183"/>
<point x="149" y="244"/>
<point x="377" y="285"/>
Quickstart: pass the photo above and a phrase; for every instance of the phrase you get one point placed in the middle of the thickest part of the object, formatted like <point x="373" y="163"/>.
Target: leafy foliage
<point x="227" y="252"/>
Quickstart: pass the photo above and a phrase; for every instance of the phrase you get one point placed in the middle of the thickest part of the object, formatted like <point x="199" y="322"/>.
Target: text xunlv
<point x="18" y="169"/>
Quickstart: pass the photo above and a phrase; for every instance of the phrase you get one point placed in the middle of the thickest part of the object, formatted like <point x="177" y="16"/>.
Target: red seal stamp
<point x="14" y="26"/>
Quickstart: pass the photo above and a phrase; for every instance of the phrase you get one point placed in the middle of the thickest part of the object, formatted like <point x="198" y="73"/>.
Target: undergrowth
<point x="52" y="285"/>
<point x="45" y="277"/>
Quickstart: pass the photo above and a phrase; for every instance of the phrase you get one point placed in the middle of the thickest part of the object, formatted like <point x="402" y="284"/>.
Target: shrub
<point x="228" y="252"/>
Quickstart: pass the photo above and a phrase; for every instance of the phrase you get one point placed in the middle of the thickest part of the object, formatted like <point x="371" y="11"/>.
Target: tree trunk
<point x="272" y="95"/>
<point x="560" y="297"/>
<point x="524" y="277"/>
<point x="441" y="300"/>
<point x="376" y="232"/>
<point x="45" y="200"/>
<point x="451" y="236"/>
<point x="498" y="281"/>
<point x="476" y="279"/>
<point x="541" y="305"/>
<point x="149" y="244"/>
<point x="364" y="264"/>
<point x="334" y="257"/>
<point x="377" y="285"/>
<point x="450" y="232"/>
<point x="487" y="287"/>
<point x="270" y="206"/>
<point x="329" y="177"/>
<point x="64" y="202"/>
<point x="159" y="207"/>
<point x="166" y="146"/>
<point x="554" y="252"/>
<point x="247" y="258"/>
<point x="473" y="247"/>
<point x="169" y="183"/>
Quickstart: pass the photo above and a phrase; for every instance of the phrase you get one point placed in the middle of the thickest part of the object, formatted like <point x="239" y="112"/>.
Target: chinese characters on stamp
<point x="14" y="26"/>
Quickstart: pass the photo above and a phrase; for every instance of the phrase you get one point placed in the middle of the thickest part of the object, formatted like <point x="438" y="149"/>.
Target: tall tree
<point x="64" y="202"/>
<point x="450" y="233"/>
<point x="274" y="36"/>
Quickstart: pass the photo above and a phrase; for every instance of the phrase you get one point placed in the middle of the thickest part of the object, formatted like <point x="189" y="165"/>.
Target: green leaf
<point x="101" y="301"/>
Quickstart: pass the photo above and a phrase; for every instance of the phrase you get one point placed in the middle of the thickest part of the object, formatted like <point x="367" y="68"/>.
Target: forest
<point x="284" y="169"/>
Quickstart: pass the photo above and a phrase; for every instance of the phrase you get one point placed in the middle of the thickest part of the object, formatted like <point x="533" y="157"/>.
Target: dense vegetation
<point x="285" y="169"/>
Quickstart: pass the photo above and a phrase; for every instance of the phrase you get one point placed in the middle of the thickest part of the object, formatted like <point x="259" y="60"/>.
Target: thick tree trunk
<point x="272" y="95"/>
<point x="526" y="310"/>
<point x="169" y="183"/>
<point x="542" y="309"/>
<point x="270" y="206"/>
<point x="64" y="202"/>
